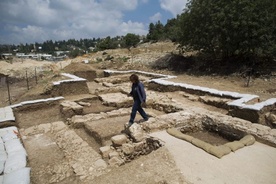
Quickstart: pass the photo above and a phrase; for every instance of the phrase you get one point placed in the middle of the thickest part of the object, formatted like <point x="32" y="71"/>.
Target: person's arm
<point x="142" y="92"/>
<point x="131" y="92"/>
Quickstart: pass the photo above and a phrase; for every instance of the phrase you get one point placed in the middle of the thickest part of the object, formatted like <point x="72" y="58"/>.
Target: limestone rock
<point x="116" y="99"/>
<point x="127" y="149"/>
<point x="69" y="109"/>
<point x="77" y="121"/>
<point x="105" y="151"/>
<point x="113" y="154"/>
<point x="100" y="164"/>
<point x="139" y="146"/>
<point x="84" y="104"/>
<point x="115" y="161"/>
<point x="137" y="133"/>
<point x="119" y="140"/>
<point x="271" y="118"/>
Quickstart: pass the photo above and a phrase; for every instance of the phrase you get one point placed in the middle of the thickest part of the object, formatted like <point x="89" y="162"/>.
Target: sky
<point x="30" y="21"/>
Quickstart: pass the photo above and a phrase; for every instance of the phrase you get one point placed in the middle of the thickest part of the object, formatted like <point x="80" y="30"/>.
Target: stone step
<point x="102" y="130"/>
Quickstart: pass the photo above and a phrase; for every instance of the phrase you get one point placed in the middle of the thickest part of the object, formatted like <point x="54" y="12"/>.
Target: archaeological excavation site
<point x="72" y="130"/>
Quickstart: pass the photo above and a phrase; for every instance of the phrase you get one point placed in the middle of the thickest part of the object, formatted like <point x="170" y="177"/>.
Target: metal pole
<point x="27" y="80"/>
<point x="8" y="86"/>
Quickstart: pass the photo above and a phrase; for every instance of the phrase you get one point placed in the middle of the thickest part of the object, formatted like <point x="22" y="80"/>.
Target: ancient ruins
<point x="78" y="135"/>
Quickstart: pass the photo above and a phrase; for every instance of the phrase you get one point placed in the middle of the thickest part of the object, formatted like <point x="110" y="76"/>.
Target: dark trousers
<point x="137" y="107"/>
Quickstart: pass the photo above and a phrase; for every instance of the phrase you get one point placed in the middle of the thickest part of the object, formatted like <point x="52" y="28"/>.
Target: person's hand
<point x="143" y="104"/>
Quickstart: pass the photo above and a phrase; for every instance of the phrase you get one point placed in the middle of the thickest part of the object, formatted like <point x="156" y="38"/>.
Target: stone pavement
<point x="253" y="164"/>
<point x="6" y="114"/>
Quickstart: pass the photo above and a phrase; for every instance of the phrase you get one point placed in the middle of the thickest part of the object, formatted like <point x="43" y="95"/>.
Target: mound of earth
<point x="77" y="67"/>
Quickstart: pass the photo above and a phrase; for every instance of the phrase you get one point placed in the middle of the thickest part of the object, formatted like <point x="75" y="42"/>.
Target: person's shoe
<point x="143" y="120"/>
<point x="127" y="125"/>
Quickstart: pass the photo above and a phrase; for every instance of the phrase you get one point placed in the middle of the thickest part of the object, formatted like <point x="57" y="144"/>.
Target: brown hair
<point x="134" y="78"/>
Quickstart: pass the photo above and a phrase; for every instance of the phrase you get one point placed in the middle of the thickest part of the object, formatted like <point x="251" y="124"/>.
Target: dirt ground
<point x="157" y="167"/>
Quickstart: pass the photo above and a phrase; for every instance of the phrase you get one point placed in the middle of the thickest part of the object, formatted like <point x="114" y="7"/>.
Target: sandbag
<point x="248" y="140"/>
<point x="219" y="151"/>
<point x="235" y="145"/>
<point x="20" y="176"/>
<point x="176" y="133"/>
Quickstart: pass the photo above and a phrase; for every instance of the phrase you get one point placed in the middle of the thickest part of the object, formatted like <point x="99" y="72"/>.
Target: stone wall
<point x="70" y="88"/>
<point x="237" y="106"/>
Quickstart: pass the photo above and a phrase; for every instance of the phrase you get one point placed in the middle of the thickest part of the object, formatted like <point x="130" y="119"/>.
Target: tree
<point x="229" y="28"/>
<point x="75" y="52"/>
<point x="131" y="40"/>
<point x="171" y="29"/>
<point x="107" y="43"/>
<point x="156" y="31"/>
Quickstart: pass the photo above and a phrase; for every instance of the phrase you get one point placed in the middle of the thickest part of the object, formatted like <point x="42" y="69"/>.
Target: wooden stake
<point x="8" y="86"/>
<point x="35" y="76"/>
<point x="27" y="80"/>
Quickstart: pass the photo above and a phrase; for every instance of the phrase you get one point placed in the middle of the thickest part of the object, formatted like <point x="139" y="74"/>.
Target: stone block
<point x="84" y="104"/>
<point x="69" y="109"/>
<point x="77" y="121"/>
<point x="127" y="149"/>
<point x="105" y="151"/>
<point x="119" y="140"/>
<point x="115" y="161"/>
<point x="113" y="154"/>
<point x="100" y="164"/>
<point x="137" y="133"/>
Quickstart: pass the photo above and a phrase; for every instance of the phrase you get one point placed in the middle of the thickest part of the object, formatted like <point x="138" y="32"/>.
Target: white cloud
<point x="29" y="11"/>
<point x="156" y="17"/>
<point x="131" y="27"/>
<point x="30" y="33"/>
<point x="28" y="21"/>
<point x="120" y="4"/>
<point x="175" y="7"/>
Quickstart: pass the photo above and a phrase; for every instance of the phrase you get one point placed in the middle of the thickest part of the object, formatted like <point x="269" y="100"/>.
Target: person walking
<point x="139" y="99"/>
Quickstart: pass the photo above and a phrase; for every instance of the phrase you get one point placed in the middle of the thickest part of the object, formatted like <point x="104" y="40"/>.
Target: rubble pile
<point x="127" y="147"/>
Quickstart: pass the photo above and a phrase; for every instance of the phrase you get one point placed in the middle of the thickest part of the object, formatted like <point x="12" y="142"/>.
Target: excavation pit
<point x="209" y="137"/>
<point x="218" y="140"/>
<point x="215" y="135"/>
